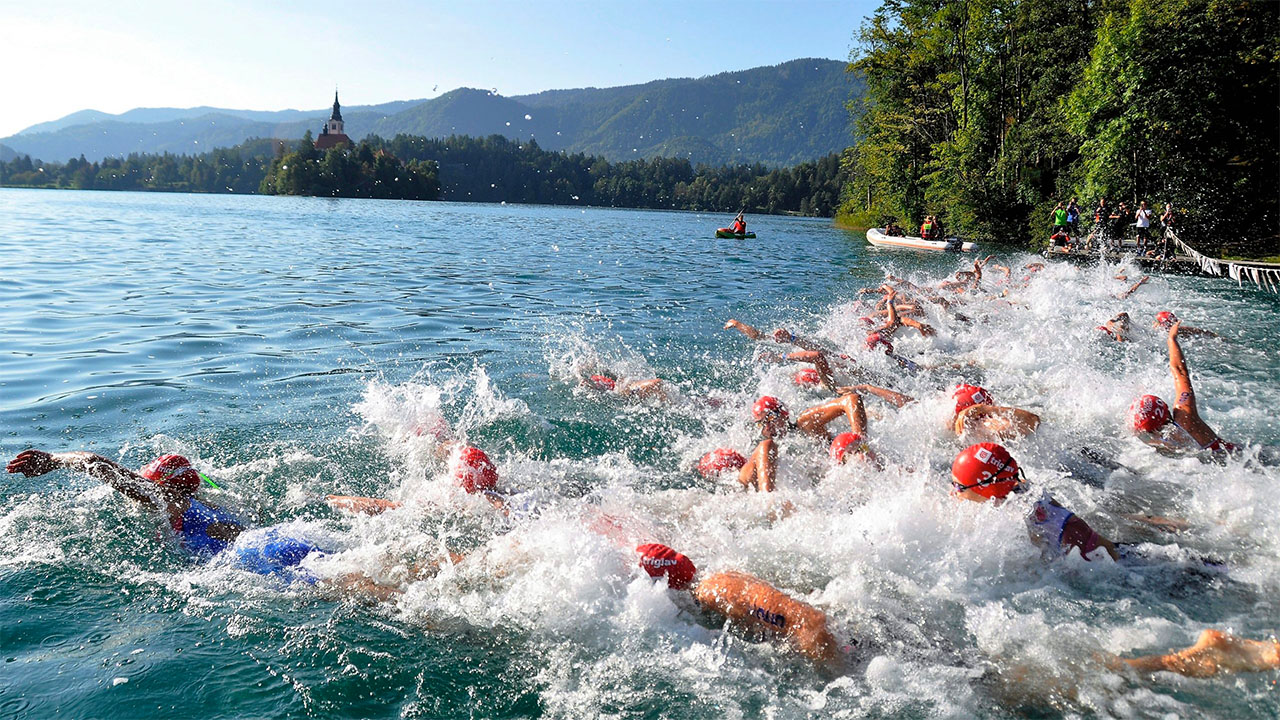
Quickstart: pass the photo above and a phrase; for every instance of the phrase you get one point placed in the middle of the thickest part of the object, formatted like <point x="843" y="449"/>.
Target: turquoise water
<point x="293" y="347"/>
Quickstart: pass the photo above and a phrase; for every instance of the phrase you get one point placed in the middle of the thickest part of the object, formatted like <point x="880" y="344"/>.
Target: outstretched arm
<point x="32" y="463"/>
<point x="1135" y="287"/>
<point x="357" y="504"/>
<point x="743" y="328"/>
<point x="1214" y="652"/>
<point x="1185" y="396"/>
<point x="896" y="399"/>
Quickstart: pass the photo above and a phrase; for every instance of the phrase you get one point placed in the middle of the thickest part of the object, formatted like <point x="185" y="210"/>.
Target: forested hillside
<point x="778" y="116"/>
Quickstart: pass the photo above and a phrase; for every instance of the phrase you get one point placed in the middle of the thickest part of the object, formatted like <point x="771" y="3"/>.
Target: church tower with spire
<point x="331" y="134"/>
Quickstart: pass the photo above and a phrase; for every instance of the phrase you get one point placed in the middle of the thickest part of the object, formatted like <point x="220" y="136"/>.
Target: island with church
<point x="331" y="165"/>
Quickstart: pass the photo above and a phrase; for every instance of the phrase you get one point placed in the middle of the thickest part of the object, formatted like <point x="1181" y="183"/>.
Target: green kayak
<point x="727" y="233"/>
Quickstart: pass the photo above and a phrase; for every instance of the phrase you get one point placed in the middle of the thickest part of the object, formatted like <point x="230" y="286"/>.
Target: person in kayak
<point x="168" y="486"/>
<point x="748" y="604"/>
<point x="986" y="471"/>
<point x="1181" y="430"/>
<point x="739" y="225"/>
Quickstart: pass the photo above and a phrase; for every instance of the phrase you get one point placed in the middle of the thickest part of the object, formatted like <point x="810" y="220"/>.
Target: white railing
<point x="1264" y="275"/>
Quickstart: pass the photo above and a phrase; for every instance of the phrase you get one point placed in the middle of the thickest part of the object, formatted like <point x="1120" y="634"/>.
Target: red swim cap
<point x="875" y="339"/>
<point x="967" y="396"/>
<point x="659" y="560"/>
<point x="987" y="469"/>
<point x="172" y="471"/>
<point x="768" y="406"/>
<point x="1148" y="414"/>
<point x="808" y="376"/>
<point x="475" y="471"/>
<point x="846" y="444"/>
<point x="602" y="383"/>
<point x="1165" y="319"/>
<point x="719" y="460"/>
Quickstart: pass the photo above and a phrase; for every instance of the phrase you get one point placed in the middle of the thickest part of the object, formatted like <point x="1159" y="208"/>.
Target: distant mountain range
<point x="779" y="115"/>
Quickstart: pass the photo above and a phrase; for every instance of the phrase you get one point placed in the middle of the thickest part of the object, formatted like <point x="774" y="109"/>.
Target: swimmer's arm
<point x="751" y="332"/>
<point x="896" y="399"/>
<point x="1135" y="287"/>
<point x="925" y="329"/>
<point x="1185" y="396"/>
<point x="785" y="336"/>
<point x="1215" y="652"/>
<point x="819" y="361"/>
<point x="32" y="463"/>
<point x="357" y="504"/>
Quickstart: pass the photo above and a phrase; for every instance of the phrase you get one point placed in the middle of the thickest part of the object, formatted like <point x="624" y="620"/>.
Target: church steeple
<point x="337" y="109"/>
<point x="331" y="134"/>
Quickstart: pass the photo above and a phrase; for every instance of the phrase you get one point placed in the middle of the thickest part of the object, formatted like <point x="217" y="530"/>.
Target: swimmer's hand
<point x="33" y="463"/>
<point x="357" y="504"/>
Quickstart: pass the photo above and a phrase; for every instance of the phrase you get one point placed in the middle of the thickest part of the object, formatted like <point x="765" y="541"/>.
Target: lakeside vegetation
<point x="989" y="112"/>
<point x="490" y="169"/>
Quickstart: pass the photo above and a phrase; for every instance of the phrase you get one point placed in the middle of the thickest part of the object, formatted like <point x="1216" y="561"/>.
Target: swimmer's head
<point x="1149" y="414"/>
<point x="1121" y="320"/>
<point x="173" y="473"/>
<point x="966" y="396"/>
<point x="1165" y="320"/>
<point x="603" y="383"/>
<point x="659" y="560"/>
<point x="875" y="340"/>
<point x="808" y="376"/>
<point x="475" y="471"/>
<point x="985" y="471"/>
<point x="849" y="445"/>
<point x="720" y="460"/>
<point x="768" y="407"/>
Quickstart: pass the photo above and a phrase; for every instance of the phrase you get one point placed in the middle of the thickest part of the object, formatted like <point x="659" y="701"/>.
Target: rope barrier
<point x="1264" y="275"/>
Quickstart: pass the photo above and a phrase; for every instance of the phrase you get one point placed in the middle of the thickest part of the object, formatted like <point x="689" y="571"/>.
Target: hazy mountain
<point x="7" y="153"/>
<point x="778" y="115"/>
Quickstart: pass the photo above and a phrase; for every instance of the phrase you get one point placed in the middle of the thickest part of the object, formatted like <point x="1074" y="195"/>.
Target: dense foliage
<point x="364" y="171"/>
<point x="491" y="169"/>
<point x="989" y="112"/>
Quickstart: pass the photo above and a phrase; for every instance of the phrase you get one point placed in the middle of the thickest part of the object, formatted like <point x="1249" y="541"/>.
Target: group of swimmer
<point x="984" y="471"/>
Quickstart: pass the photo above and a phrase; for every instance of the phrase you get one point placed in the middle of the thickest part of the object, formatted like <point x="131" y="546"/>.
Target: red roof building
<point x="331" y="134"/>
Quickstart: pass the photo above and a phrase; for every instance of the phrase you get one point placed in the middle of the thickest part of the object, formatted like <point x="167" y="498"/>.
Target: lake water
<point x="294" y="347"/>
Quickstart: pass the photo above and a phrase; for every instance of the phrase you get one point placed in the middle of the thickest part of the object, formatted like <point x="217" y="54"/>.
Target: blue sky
<point x="114" y="55"/>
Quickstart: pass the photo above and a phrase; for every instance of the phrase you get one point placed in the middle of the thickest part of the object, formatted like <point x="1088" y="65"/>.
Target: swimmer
<point x="1117" y="328"/>
<point x="772" y="418"/>
<point x="750" y="605"/>
<point x="475" y="473"/>
<point x="633" y="389"/>
<point x="1181" y="430"/>
<point x="1132" y="290"/>
<point x="976" y="416"/>
<point x="719" y="461"/>
<point x="852" y="446"/>
<point x="894" y="321"/>
<point x="1165" y="320"/>
<point x="168" y="486"/>
<point x="987" y="471"/>
<point x="814" y="420"/>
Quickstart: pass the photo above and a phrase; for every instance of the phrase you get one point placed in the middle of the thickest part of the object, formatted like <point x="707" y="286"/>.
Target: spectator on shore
<point x="1073" y="218"/>
<point x="1143" y="218"/>
<point x="1059" y="219"/>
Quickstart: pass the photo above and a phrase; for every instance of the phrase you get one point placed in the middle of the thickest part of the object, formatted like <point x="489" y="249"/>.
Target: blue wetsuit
<point x="263" y="551"/>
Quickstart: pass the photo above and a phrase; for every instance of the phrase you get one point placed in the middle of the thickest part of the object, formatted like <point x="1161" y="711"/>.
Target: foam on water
<point x="954" y="610"/>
